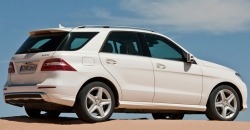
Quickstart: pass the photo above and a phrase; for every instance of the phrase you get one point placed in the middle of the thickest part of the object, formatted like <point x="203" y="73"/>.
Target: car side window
<point x="77" y="43"/>
<point x="122" y="43"/>
<point x="163" y="48"/>
<point x="76" y="40"/>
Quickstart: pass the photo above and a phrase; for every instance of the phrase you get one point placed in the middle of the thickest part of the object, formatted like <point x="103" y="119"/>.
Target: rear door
<point x="30" y="57"/>
<point x="122" y="56"/>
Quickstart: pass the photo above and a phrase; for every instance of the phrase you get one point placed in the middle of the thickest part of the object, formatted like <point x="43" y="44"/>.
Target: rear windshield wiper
<point x="34" y="50"/>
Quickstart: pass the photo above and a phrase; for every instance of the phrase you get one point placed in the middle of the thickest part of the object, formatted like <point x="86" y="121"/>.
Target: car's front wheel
<point x="223" y="104"/>
<point x="168" y="116"/>
<point x="95" y="102"/>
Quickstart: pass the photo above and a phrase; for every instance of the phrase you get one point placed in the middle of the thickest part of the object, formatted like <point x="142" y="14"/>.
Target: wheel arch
<point x="234" y="87"/>
<point x="106" y="81"/>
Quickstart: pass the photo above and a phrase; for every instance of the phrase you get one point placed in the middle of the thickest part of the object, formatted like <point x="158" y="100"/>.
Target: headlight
<point x="238" y="75"/>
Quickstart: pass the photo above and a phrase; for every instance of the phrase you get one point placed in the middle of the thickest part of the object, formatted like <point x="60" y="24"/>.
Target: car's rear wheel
<point x="223" y="104"/>
<point x="95" y="102"/>
<point x="168" y="116"/>
<point x="33" y="113"/>
<point x="52" y="114"/>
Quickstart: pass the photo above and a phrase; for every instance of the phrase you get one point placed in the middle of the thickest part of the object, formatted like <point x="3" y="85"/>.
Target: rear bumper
<point x="22" y="98"/>
<point x="37" y="94"/>
<point x="36" y="100"/>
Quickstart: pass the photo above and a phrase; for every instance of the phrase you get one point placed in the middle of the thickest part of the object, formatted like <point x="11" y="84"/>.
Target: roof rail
<point x="107" y="26"/>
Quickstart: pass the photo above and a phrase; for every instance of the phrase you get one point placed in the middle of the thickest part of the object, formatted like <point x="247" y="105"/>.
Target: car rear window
<point x="57" y="41"/>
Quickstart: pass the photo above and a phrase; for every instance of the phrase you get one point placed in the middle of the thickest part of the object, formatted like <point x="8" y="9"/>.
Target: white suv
<point x="97" y="70"/>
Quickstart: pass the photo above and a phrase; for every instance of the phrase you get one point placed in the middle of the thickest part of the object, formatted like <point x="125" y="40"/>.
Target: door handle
<point x="110" y="61"/>
<point x="160" y="66"/>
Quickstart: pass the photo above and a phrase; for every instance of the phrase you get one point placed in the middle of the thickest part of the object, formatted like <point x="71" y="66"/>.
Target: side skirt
<point x="148" y="107"/>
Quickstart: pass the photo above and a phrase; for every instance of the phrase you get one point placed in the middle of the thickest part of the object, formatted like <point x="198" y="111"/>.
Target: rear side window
<point x="76" y="40"/>
<point x="42" y="42"/>
<point x="122" y="43"/>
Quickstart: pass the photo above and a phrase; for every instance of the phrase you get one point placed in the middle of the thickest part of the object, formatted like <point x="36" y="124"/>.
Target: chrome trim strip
<point x="24" y="85"/>
<point x="23" y="99"/>
<point x="42" y="94"/>
<point x="16" y="93"/>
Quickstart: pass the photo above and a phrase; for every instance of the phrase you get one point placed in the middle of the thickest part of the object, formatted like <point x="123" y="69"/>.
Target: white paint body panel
<point x="139" y="82"/>
<point x="178" y="83"/>
<point x="134" y="74"/>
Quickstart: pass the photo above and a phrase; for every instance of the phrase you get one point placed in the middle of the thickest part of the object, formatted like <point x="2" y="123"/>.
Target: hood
<point x="214" y="65"/>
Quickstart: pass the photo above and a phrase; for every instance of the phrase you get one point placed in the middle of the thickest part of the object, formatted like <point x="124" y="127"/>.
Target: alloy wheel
<point x="98" y="102"/>
<point x="225" y="103"/>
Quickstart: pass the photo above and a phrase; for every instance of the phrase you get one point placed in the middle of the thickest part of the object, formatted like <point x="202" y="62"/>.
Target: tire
<point x="33" y="113"/>
<point x="223" y="104"/>
<point x="95" y="103"/>
<point x="168" y="116"/>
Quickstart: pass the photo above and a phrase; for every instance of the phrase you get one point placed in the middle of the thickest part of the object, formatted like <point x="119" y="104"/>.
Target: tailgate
<point x="29" y="58"/>
<point x="28" y="68"/>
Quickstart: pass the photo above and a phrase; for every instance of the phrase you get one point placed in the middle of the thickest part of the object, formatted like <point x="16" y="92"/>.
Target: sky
<point x="214" y="30"/>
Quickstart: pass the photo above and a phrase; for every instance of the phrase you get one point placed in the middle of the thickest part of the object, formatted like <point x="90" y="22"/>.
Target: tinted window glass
<point x="122" y="43"/>
<point x="77" y="43"/>
<point x="42" y="42"/>
<point x="163" y="48"/>
<point x="76" y="40"/>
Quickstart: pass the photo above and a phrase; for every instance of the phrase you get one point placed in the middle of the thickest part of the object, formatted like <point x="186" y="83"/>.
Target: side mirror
<point x="190" y="58"/>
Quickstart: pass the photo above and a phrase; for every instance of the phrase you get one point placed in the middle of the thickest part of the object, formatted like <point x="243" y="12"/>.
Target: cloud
<point x="215" y="16"/>
<point x="115" y="19"/>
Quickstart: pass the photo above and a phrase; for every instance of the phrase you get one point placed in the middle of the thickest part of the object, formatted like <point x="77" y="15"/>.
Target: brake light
<point x="56" y="64"/>
<point x="11" y="68"/>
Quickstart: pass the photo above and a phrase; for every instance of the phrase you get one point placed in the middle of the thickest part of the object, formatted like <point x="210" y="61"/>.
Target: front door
<point x="176" y="81"/>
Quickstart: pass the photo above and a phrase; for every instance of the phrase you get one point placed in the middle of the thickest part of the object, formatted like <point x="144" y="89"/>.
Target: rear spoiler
<point x="49" y="31"/>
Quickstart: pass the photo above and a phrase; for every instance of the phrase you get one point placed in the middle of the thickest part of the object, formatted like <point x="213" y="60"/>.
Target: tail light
<point x="11" y="68"/>
<point x="56" y="64"/>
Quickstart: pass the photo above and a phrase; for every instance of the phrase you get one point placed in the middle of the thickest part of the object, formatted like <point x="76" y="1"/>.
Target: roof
<point x="69" y="29"/>
<point x="116" y="27"/>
